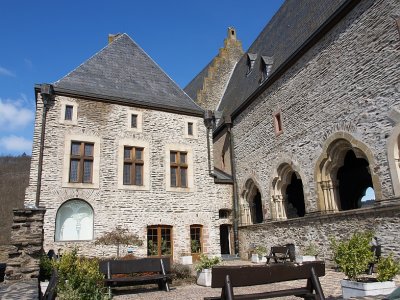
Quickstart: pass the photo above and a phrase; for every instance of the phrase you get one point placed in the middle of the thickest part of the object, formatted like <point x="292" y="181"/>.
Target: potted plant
<point x="203" y="268"/>
<point x="310" y="253"/>
<point x="258" y="254"/>
<point x="353" y="255"/>
<point x="186" y="258"/>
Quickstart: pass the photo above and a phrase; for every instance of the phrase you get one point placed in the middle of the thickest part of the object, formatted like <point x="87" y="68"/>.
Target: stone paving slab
<point x="22" y="290"/>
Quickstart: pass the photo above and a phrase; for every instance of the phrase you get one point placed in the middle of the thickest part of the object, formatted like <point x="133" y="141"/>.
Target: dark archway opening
<point x="295" y="198"/>
<point x="354" y="178"/>
<point x="256" y="209"/>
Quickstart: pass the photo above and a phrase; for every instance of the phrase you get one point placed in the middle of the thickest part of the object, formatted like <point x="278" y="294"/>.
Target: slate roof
<point x="289" y="29"/>
<point x="124" y="73"/>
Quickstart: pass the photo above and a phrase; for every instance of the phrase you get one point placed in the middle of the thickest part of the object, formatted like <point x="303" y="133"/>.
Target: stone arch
<point x="287" y="194"/>
<point x="340" y="150"/>
<point x="393" y="154"/>
<point x="251" y="203"/>
<point x="74" y="221"/>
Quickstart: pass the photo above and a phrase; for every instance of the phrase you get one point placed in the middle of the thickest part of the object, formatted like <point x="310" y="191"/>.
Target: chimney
<point x="112" y="37"/>
<point x="232" y="33"/>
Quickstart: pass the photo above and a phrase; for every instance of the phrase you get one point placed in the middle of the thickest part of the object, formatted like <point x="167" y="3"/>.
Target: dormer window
<point x="251" y="59"/>
<point x="266" y="66"/>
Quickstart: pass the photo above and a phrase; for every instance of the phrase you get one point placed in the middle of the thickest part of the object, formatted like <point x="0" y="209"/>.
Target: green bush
<point x="79" y="278"/>
<point x="46" y="267"/>
<point x="180" y="271"/>
<point x="311" y="249"/>
<point x="206" y="262"/>
<point x="354" y="254"/>
<point x="387" y="268"/>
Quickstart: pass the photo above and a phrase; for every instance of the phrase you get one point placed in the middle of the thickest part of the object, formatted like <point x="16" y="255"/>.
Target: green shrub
<point x="261" y="250"/>
<point x="206" y="262"/>
<point x="311" y="249"/>
<point x="180" y="271"/>
<point x="354" y="254"/>
<point x="387" y="268"/>
<point x="79" y="278"/>
<point x="46" y="267"/>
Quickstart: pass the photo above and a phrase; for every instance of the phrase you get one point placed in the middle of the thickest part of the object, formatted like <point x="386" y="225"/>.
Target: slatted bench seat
<point x="229" y="277"/>
<point x="141" y="271"/>
<point x="278" y="253"/>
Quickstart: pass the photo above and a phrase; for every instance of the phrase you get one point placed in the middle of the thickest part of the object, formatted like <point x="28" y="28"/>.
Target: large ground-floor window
<point x="159" y="240"/>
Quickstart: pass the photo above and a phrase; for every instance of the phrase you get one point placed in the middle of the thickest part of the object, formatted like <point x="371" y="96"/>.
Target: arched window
<point x="74" y="221"/>
<point x="344" y="173"/>
<point x="287" y="193"/>
<point x="252" y="208"/>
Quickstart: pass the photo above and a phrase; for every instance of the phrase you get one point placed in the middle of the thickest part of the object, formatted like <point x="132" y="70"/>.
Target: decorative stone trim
<point x="96" y="161"/>
<point x="64" y="103"/>
<point x="146" y="166"/>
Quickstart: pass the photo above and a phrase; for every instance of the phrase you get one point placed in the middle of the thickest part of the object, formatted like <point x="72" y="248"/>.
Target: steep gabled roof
<point x="291" y="28"/>
<point x="123" y="72"/>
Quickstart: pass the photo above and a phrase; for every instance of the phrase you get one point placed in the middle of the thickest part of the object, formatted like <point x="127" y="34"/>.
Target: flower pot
<point x="255" y="258"/>
<point x="204" y="277"/>
<point x="186" y="260"/>
<point x="300" y="259"/>
<point x="352" y="289"/>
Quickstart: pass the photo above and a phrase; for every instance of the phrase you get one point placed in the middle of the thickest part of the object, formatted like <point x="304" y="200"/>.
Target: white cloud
<point x="14" y="143"/>
<point x="14" y="116"/>
<point x="5" y="72"/>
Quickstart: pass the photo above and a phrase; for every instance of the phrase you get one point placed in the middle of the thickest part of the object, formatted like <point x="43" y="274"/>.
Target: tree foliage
<point x="119" y="236"/>
<point x="353" y="254"/>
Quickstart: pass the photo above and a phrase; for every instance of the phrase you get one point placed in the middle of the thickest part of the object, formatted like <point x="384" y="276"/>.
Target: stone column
<point x="26" y="244"/>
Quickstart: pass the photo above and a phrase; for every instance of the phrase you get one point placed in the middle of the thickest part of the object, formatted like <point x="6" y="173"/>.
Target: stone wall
<point x="114" y="204"/>
<point x="346" y="84"/>
<point x="383" y="220"/>
<point x="26" y="244"/>
<point x="219" y="72"/>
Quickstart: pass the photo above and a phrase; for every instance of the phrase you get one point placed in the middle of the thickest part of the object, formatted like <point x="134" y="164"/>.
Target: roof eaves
<point x="125" y="101"/>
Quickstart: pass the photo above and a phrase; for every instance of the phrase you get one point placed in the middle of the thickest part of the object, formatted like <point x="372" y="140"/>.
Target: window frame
<point x="133" y="162"/>
<point x="64" y="103"/>
<point x="190" y="169"/>
<point x="67" y="161"/>
<point x="198" y="227"/>
<point x="159" y="236"/>
<point x="186" y="130"/>
<point x="139" y="120"/>
<point x="127" y="142"/>
<point x="179" y="166"/>
<point x="81" y="158"/>
<point x="278" y="123"/>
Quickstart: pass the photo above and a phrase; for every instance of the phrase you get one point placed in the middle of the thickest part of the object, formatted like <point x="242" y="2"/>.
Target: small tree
<point x="119" y="236"/>
<point x="354" y="254"/>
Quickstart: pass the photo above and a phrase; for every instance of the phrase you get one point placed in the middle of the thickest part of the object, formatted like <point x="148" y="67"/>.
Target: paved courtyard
<point x="330" y="284"/>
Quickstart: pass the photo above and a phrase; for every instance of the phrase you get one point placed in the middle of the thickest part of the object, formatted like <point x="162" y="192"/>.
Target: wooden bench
<point x="278" y="253"/>
<point x="229" y="277"/>
<point x="141" y="271"/>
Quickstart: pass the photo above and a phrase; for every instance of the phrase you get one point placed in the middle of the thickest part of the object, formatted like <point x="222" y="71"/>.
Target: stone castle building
<point x="279" y="144"/>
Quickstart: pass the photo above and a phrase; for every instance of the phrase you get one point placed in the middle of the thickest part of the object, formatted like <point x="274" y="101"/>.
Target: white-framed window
<point x="179" y="168"/>
<point x="74" y="221"/>
<point x="135" y="120"/>
<point x="190" y="128"/>
<point x="68" y="112"/>
<point x="133" y="165"/>
<point x="81" y="161"/>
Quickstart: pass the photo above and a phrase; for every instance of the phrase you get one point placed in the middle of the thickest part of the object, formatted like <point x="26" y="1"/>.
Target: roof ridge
<point x="161" y="69"/>
<point x="91" y="57"/>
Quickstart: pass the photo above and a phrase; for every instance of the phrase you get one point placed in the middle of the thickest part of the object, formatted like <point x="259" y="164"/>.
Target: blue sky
<point x="41" y="41"/>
